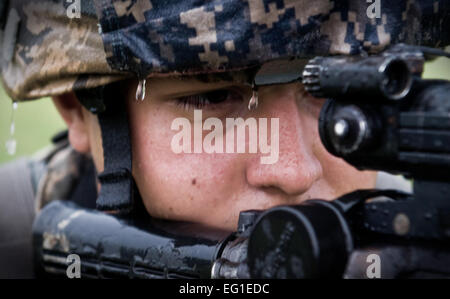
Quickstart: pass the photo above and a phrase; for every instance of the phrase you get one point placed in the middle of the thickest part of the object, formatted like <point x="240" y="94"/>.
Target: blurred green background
<point x="37" y="121"/>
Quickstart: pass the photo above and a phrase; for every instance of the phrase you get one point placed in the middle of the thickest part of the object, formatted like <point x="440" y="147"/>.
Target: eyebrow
<point x="206" y="82"/>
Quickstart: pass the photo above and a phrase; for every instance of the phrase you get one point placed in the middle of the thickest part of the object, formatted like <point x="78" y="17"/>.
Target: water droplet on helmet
<point x="11" y="143"/>
<point x="253" y="102"/>
<point x="140" y="91"/>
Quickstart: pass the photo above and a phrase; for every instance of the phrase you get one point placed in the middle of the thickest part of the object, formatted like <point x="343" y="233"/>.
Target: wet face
<point x="212" y="188"/>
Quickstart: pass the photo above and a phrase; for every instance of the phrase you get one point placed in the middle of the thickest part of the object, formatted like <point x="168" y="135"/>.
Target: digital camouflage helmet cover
<point x="46" y="53"/>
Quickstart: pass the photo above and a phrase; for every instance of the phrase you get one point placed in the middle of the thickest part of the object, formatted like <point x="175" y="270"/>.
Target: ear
<point x="76" y="119"/>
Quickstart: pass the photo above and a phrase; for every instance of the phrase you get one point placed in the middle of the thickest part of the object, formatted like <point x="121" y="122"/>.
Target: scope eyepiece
<point x="345" y="129"/>
<point x="310" y="240"/>
<point x="388" y="77"/>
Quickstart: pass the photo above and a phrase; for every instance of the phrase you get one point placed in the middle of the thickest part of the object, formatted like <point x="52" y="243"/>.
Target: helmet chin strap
<point x="118" y="191"/>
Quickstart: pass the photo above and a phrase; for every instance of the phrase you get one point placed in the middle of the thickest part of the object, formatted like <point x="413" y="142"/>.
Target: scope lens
<point x="397" y="81"/>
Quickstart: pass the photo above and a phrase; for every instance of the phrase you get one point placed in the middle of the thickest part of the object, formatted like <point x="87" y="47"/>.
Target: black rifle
<point x="380" y="115"/>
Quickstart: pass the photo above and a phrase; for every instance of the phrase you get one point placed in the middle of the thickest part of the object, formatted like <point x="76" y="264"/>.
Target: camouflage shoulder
<point x="26" y="184"/>
<point x="55" y="171"/>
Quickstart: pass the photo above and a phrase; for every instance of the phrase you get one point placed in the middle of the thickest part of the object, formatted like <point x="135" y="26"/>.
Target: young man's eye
<point x="210" y="99"/>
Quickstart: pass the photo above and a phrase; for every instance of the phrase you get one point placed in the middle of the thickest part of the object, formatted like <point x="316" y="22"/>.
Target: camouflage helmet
<point x="47" y="52"/>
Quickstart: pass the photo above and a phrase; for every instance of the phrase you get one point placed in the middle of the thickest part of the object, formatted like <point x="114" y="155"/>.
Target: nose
<point x="297" y="167"/>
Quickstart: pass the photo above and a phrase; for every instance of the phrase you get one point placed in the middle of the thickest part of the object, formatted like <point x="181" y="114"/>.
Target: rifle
<point x="379" y="115"/>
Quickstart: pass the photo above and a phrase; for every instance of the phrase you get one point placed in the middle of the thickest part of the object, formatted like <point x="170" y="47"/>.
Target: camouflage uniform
<point x="45" y="53"/>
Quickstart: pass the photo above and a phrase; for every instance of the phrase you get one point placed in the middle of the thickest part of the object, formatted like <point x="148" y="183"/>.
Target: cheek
<point x="341" y="176"/>
<point x="184" y="187"/>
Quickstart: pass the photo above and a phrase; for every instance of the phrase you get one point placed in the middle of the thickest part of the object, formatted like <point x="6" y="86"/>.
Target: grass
<point x="37" y="121"/>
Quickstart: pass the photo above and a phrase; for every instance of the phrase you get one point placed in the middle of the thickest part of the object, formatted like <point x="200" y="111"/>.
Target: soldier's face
<point x="212" y="188"/>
